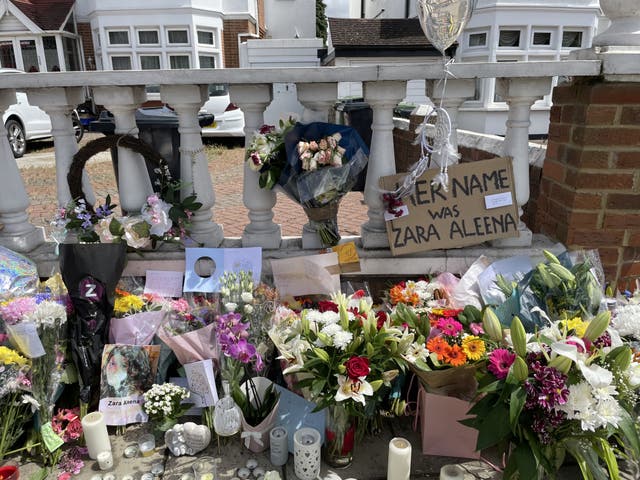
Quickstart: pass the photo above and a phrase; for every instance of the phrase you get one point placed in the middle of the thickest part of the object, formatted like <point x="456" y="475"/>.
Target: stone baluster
<point x="317" y="98"/>
<point x="58" y="103"/>
<point x="134" y="184"/>
<point x="520" y="95"/>
<point x="261" y="230"/>
<point x="187" y="100"/>
<point x="455" y="92"/>
<point x="382" y="97"/>
<point x="16" y="232"/>
<point x="624" y="29"/>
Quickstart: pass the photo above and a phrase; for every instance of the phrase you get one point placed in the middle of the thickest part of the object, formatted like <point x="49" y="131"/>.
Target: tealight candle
<point x="131" y="451"/>
<point x="109" y="476"/>
<point x="306" y="453"/>
<point x="205" y="468"/>
<point x="399" y="464"/>
<point x="95" y="433"/>
<point x="105" y="460"/>
<point x="157" y="469"/>
<point x="147" y="445"/>
<point x="451" y="472"/>
<point x="279" y="446"/>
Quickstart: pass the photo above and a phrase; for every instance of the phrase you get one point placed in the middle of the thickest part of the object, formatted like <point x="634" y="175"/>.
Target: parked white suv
<point x="229" y="119"/>
<point x="26" y="122"/>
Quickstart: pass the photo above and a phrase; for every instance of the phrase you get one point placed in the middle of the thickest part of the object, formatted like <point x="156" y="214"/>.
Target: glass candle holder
<point x="204" y="468"/>
<point x="105" y="460"/>
<point x="147" y="445"/>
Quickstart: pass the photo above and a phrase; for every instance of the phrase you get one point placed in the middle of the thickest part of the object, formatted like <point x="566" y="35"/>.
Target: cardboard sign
<point x="479" y="206"/>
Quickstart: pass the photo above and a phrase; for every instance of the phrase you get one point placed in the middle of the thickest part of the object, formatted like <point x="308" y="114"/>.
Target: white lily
<point x="353" y="389"/>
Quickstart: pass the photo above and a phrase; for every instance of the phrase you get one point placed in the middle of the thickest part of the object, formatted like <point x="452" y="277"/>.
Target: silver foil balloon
<point x="442" y="21"/>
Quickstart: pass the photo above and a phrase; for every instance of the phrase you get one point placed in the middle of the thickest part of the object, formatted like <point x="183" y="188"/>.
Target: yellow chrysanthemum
<point x="128" y="304"/>
<point x="577" y="325"/>
<point x="9" y="356"/>
<point x="473" y="347"/>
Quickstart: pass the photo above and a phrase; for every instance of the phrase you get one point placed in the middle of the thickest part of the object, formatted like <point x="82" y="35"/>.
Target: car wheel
<point x="15" y="132"/>
<point x="78" y="128"/>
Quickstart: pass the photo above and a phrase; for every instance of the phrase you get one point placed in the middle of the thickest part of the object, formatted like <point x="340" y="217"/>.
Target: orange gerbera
<point x="473" y="347"/>
<point x="400" y="294"/>
<point x="439" y="346"/>
<point x="455" y="356"/>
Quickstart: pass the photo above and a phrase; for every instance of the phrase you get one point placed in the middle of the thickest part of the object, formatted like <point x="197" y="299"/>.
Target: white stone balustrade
<point x="261" y="230"/>
<point x="58" y="103"/>
<point x="450" y="96"/>
<point x="134" y="184"/>
<point x="384" y="85"/>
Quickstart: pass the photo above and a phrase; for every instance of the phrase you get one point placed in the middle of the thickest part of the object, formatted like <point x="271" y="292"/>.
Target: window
<point x="542" y="38"/>
<point x="509" y="38"/>
<point x="51" y="54"/>
<point x="7" y="56"/>
<point x="571" y="39"/>
<point x="71" y="54"/>
<point x="218" y="89"/>
<point x="179" y="61"/>
<point x="207" y="61"/>
<point x="205" y="37"/>
<point x="148" y="37"/>
<point x="178" y="36"/>
<point x="119" y="37"/>
<point x="150" y="62"/>
<point x="121" y="63"/>
<point x="477" y="39"/>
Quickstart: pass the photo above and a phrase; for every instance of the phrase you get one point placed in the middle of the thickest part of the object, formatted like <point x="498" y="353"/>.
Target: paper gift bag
<point x="192" y="346"/>
<point x="136" y="329"/>
<point x="441" y="432"/>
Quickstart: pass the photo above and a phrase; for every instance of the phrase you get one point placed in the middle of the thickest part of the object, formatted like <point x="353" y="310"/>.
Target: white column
<point x="624" y="30"/>
<point x="520" y="95"/>
<point x="456" y="91"/>
<point x="382" y="97"/>
<point x="261" y="230"/>
<point x="187" y="100"/>
<point x="317" y="99"/>
<point x="58" y="103"/>
<point x="134" y="185"/>
<point x="16" y="232"/>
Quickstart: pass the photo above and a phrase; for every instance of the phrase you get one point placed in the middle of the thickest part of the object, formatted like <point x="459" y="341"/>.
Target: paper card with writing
<point x="203" y="269"/>
<point x="183" y="382"/>
<point x="459" y="216"/>
<point x="167" y="283"/>
<point x="202" y="383"/>
<point x="308" y="275"/>
<point x="24" y="336"/>
<point x="244" y="259"/>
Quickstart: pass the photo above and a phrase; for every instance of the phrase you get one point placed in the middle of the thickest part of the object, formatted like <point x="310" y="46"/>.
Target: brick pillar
<point x="84" y="30"/>
<point x="590" y="188"/>
<point x="231" y="29"/>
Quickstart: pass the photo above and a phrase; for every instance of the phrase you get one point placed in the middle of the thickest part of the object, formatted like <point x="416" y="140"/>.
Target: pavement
<point x="226" y="170"/>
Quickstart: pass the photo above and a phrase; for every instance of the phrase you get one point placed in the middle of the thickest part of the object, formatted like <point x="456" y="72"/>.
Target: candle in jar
<point x="279" y="446"/>
<point x="105" y="460"/>
<point x="95" y="434"/>
<point x="399" y="465"/>
<point x="147" y="445"/>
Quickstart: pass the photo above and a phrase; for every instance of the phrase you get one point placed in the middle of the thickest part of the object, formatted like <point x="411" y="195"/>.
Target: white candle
<point x="399" y="465"/>
<point x="95" y="434"/>
<point x="105" y="460"/>
<point x="279" y="446"/>
<point x="306" y="453"/>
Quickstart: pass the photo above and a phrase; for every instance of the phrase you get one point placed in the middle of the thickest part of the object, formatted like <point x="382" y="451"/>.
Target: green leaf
<point x="494" y="428"/>
<point x="115" y="228"/>
<point x="518" y="399"/>
<point x="606" y="453"/>
<point x="630" y="433"/>
<point x="526" y="461"/>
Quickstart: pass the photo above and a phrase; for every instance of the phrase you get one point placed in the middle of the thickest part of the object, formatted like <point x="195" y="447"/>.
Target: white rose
<point x="246" y="297"/>
<point x="248" y="309"/>
<point x="136" y="232"/>
<point x="158" y="217"/>
<point x="102" y="229"/>
<point x="231" y="307"/>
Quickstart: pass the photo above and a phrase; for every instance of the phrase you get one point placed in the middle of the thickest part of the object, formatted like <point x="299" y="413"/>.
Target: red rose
<point x="357" y="367"/>
<point x="327" y="306"/>
<point x="381" y="317"/>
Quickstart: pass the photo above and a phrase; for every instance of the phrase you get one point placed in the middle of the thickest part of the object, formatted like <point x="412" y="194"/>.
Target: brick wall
<point x="231" y="29"/>
<point x="84" y="30"/>
<point x="590" y="188"/>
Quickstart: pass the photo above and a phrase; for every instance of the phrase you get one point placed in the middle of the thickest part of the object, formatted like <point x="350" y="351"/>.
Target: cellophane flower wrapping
<point x="15" y="409"/>
<point x="320" y="190"/>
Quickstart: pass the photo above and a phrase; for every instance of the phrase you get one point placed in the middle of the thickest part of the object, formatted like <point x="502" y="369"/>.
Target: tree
<point x="321" y="21"/>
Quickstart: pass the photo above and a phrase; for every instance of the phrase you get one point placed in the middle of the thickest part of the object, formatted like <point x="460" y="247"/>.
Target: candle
<point x="147" y="445"/>
<point x="279" y="447"/>
<point x="205" y="468"/>
<point x="95" y="434"/>
<point x="105" y="460"/>
<point x="399" y="464"/>
<point x="451" y="472"/>
<point x="306" y="453"/>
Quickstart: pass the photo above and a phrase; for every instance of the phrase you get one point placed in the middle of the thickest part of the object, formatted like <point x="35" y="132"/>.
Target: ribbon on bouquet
<point x="248" y="436"/>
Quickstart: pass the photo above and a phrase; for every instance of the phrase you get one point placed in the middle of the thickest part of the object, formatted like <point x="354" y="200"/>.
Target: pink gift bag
<point x="441" y="433"/>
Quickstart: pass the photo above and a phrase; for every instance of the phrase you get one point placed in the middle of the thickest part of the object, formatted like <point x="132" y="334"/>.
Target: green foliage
<point x="321" y="21"/>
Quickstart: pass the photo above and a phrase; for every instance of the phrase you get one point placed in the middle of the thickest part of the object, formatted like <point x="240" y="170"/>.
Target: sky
<point x="337" y="8"/>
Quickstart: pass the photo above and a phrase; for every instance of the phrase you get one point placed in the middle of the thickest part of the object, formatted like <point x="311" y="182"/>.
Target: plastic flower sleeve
<point x="18" y="275"/>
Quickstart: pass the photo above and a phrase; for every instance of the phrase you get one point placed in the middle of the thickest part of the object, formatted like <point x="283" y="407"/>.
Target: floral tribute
<point x="266" y="153"/>
<point x="164" y="404"/>
<point x="163" y="218"/>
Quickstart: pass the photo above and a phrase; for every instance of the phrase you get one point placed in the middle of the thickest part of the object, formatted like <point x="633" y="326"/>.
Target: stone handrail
<point x="384" y="85"/>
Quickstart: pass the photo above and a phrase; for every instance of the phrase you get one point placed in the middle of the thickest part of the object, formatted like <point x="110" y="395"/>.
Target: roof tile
<point x="383" y="32"/>
<point x="47" y="14"/>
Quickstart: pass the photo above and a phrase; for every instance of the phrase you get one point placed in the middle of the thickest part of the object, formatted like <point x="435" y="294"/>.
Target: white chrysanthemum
<point x="627" y="321"/>
<point x="633" y="374"/>
<point x="609" y="411"/>
<point x="246" y="297"/>
<point x="342" y="339"/>
<point x="331" y="329"/>
<point x="314" y="316"/>
<point x="329" y="317"/>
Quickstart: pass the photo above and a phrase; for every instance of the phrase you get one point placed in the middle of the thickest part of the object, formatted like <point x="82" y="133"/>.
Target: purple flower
<point x="103" y="211"/>
<point x="547" y="388"/>
<point x="13" y="311"/>
<point x="603" y="340"/>
<point x="476" y="328"/>
<point x="242" y="351"/>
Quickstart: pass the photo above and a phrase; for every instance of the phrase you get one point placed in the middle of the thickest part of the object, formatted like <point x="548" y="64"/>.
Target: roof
<point x="381" y="32"/>
<point x="47" y="14"/>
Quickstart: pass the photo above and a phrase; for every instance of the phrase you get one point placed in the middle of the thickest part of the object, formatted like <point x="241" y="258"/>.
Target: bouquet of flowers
<point x="136" y="318"/>
<point x="568" y="388"/>
<point x="320" y="164"/>
<point x="14" y="411"/>
<point x="164" y="217"/>
<point x="164" y="404"/>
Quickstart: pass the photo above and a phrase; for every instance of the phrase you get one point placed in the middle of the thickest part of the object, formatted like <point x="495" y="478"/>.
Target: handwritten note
<point x="309" y="275"/>
<point x="25" y="337"/>
<point x="164" y="283"/>
<point x="202" y="383"/>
